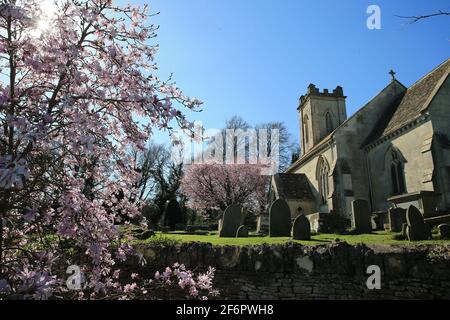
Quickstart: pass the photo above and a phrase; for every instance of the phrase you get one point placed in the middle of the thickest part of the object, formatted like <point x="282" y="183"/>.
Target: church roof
<point x="413" y="103"/>
<point x="408" y="107"/>
<point x="293" y="186"/>
<point x="330" y="137"/>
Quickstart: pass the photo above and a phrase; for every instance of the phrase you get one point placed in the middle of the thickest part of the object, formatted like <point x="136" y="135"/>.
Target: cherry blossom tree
<point x="71" y="88"/>
<point x="213" y="187"/>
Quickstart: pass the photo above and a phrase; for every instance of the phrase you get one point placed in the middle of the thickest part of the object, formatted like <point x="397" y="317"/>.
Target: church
<point x="393" y="152"/>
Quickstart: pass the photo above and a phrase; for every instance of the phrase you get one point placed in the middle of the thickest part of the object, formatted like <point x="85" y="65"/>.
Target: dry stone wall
<point x="293" y="271"/>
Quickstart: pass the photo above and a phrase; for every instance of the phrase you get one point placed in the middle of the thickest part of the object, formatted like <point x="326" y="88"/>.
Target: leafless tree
<point x="150" y="164"/>
<point x="285" y="144"/>
<point x="160" y="175"/>
<point x="414" y="19"/>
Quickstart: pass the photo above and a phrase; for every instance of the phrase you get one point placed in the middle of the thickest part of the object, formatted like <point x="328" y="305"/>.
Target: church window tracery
<point x="397" y="174"/>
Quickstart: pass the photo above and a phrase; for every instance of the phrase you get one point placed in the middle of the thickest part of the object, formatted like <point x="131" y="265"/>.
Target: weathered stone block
<point x="397" y="217"/>
<point x="327" y="222"/>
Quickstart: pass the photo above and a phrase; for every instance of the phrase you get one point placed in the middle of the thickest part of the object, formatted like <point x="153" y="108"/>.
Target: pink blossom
<point x="216" y="186"/>
<point x="196" y="286"/>
<point x="193" y="291"/>
<point x="67" y="112"/>
<point x="129" y="288"/>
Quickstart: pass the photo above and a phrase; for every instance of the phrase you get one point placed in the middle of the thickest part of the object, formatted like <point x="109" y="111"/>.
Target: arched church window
<point x="323" y="172"/>
<point x="397" y="174"/>
<point x="329" y="122"/>
<point x="305" y="129"/>
<point x="394" y="155"/>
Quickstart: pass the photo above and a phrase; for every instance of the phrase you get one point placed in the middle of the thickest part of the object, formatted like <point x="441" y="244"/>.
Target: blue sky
<point x="254" y="58"/>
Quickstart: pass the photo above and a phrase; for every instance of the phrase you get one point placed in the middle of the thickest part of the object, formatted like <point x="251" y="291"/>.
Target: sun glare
<point x="48" y="8"/>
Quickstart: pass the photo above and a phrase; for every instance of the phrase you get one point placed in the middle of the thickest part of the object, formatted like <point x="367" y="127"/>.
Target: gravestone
<point x="279" y="219"/>
<point x="444" y="231"/>
<point x="231" y="221"/>
<point x="417" y="229"/>
<point x="301" y="229"/>
<point x="361" y="218"/>
<point x="397" y="217"/>
<point x="242" y="232"/>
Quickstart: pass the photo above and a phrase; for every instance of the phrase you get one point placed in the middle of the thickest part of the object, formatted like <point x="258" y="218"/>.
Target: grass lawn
<point x="381" y="237"/>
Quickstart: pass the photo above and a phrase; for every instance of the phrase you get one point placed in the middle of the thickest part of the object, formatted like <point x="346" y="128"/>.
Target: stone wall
<point x="293" y="271"/>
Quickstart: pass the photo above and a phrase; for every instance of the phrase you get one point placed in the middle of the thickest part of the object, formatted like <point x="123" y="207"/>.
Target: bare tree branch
<point x="421" y="17"/>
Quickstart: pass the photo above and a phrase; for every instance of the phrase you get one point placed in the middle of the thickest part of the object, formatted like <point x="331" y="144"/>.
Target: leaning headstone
<point x="242" y="232"/>
<point x="301" y="229"/>
<point x="417" y="229"/>
<point x="279" y="219"/>
<point x="361" y="218"/>
<point x="444" y="231"/>
<point x="232" y="220"/>
<point x="397" y="217"/>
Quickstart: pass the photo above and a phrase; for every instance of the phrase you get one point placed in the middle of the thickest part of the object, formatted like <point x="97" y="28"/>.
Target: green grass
<point x="374" y="238"/>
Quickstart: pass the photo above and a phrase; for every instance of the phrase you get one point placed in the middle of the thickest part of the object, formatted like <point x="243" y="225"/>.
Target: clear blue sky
<point x="254" y="58"/>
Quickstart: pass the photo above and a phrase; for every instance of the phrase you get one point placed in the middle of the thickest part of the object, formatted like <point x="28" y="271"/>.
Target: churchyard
<point x="377" y="237"/>
<point x="116" y="184"/>
<point x="298" y="257"/>
<point x="403" y="227"/>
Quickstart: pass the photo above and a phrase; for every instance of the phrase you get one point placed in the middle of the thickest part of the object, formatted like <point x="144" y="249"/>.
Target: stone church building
<point x="394" y="151"/>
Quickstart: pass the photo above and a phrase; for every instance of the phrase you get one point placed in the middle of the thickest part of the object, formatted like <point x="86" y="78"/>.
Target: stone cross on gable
<point x="392" y="73"/>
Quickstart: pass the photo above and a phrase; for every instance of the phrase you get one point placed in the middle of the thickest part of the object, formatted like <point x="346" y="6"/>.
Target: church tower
<point x="320" y="113"/>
